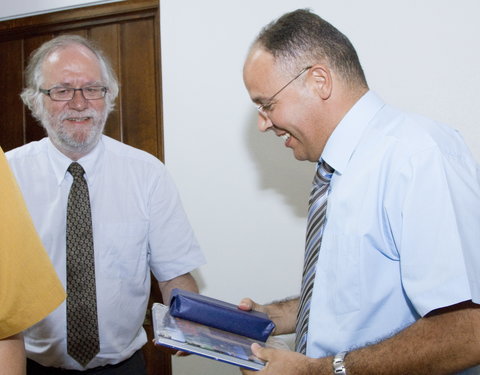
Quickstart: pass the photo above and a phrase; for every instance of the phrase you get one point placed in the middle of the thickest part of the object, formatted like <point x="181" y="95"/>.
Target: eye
<point x="60" y="91"/>
<point x="92" y="89"/>
<point x="267" y="107"/>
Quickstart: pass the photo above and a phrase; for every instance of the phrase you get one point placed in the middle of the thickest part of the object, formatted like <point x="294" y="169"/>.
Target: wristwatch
<point x="339" y="365"/>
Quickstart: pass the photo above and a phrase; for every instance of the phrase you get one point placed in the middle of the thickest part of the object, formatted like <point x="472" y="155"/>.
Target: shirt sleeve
<point x="173" y="247"/>
<point x="29" y="286"/>
<point x="470" y="231"/>
<point x="439" y="208"/>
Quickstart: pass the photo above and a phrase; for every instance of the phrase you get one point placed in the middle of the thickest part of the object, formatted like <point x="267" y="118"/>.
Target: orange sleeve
<point x="29" y="286"/>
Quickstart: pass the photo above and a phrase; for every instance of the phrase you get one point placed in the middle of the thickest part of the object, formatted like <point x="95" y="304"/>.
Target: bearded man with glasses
<point x="92" y="197"/>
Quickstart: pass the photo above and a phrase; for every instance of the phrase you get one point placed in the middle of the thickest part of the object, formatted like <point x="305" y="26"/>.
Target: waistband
<point x="34" y="368"/>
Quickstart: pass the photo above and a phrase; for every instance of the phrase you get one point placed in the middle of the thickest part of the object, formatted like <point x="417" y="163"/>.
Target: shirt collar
<point x="342" y="143"/>
<point x="60" y="162"/>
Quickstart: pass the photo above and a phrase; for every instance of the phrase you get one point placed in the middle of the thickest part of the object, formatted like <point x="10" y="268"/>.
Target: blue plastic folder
<point x="221" y="315"/>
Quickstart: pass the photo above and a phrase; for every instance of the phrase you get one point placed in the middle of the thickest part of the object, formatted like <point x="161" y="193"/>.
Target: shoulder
<point x="132" y="163"/>
<point x="412" y="133"/>
<point x="128" y="155"/>
<point x="29" y="150"/>
<point x="401" y="146"/>
<point x="28" y="157"/>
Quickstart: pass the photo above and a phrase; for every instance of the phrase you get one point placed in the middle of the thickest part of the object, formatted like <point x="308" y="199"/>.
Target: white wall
<point x="244" y="193"/>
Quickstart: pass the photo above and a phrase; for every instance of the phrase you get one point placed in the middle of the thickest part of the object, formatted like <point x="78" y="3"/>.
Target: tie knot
<point x="76" y="170"/>
<point x="324" y="174"/>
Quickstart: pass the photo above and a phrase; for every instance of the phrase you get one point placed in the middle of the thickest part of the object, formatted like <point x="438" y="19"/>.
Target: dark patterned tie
<point x="82" y="324"/>
<point x="315" y="224"/>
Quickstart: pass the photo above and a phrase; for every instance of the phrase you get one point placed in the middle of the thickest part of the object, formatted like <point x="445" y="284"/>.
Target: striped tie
<point x="315" y="225"/>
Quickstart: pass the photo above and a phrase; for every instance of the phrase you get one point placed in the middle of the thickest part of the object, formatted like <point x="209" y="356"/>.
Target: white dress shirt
<point x="403" y="210"/>
<point x="138" y="225"/>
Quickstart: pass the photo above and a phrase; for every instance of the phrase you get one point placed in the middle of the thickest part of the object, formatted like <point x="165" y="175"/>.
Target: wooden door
<point x="129" y="34"/>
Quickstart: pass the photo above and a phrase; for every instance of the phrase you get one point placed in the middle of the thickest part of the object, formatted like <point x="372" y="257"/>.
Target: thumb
<point x="261" y="352"/>
<point x="246" y="304"/>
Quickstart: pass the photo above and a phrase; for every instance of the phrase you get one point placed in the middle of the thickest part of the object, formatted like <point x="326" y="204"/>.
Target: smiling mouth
<point x="285" y="137"/>
<point x="78" y="119"/>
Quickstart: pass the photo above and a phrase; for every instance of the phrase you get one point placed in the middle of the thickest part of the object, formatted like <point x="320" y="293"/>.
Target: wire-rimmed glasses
<point x="264" y="108"/>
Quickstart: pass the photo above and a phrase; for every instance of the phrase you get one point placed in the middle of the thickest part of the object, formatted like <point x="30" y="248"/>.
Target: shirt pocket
<point x="348" y="278"/>
<point x="125" y="250"/>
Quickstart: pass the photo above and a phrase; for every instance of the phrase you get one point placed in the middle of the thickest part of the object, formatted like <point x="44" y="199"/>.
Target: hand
<point x="167" y="350"/>
<point x="282" y="362"/>
<point x="180" y="353"/>
<point x="247" y="304"/>
<point x="282" y="313"/>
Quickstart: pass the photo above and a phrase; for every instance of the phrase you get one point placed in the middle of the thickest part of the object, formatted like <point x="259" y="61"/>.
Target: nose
<point x="78" y="101"/>
<point x="264" y="123"/>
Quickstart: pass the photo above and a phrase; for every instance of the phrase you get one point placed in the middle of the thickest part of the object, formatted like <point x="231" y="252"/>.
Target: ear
<point x="321" y="79"/>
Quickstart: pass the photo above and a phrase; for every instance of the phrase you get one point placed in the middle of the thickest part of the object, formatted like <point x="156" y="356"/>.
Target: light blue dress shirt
<point x="403" y="209"/>
<point x="138" y="225"/>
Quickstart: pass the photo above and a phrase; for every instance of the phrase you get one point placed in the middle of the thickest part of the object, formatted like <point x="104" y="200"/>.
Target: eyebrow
<point x="260" y="100"/>
<point x="90" y="83"/>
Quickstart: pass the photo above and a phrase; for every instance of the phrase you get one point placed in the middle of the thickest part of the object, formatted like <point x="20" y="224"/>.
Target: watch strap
<point x="339" y="364"/>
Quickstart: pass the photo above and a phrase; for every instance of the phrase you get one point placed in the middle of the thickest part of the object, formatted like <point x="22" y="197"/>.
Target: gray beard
<point x="61" y="138"/>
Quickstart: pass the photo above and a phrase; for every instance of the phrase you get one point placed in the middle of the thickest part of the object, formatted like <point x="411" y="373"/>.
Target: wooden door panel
<point x="11" y="115"/>
<point x="139" y="89"/>
<point x="33" y="130"/>
<point x="107" y="37"/>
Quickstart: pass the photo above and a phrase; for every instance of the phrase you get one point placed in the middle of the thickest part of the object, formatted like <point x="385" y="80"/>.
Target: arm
<point x="12" y="355"/>
<point x="186" y="282"/>
<point x="444" y="342"/>
<point x="282" y="313"/>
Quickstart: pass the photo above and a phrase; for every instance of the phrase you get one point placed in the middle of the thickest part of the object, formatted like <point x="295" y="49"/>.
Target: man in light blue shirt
<point x="138" y="221"/>
<point x="394" y="281"/>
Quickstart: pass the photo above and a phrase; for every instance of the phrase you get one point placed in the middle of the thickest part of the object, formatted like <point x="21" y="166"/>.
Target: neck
<point x="345" y="100"/>
<point x="339" y="103"/>
<point x="74" y="155"/>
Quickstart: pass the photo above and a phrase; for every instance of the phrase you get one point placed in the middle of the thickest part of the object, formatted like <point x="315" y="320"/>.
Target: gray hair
<point x="31" y="95"/>
<point x="302" y="38"/>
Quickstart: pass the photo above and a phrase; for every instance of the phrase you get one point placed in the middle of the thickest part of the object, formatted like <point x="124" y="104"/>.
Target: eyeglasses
<point x="264" y="108"/>
<point x="65" y="94"/>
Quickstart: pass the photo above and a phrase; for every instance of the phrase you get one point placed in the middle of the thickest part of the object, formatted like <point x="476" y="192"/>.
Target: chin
<point x="79" y="142"/>
<point x="299" y="156"/>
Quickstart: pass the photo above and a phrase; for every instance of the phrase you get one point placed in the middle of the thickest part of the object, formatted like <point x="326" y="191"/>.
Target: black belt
<point x="34" y="368"/>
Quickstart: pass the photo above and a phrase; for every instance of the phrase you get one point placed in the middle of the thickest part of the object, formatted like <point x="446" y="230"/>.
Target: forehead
<point x="75" y="62"/>
<point x="261" y="74"/>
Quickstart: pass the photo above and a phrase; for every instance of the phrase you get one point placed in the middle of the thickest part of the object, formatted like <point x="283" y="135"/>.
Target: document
<point x="209" y="342"/>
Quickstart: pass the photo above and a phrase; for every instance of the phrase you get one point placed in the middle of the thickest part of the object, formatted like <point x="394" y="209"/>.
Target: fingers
<point x="246" y="304"/>
<point x="257" y="350"/>
<point x="244" y="371"/>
